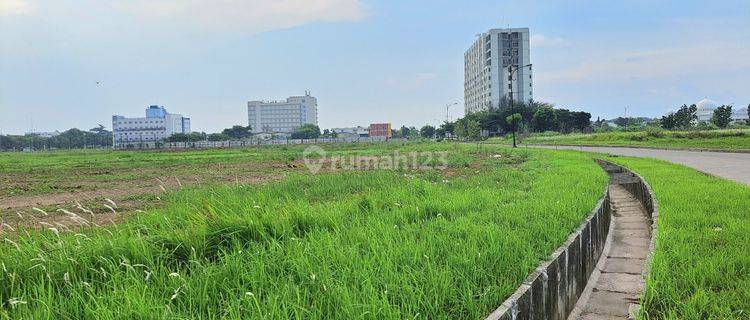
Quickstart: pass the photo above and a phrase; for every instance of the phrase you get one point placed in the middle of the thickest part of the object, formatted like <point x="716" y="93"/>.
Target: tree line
<point x="524" y="117"/>
<point x="70" y="139"/>
<point x="686" y="117"/>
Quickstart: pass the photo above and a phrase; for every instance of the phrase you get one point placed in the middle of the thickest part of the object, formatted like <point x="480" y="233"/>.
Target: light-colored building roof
<point x="706" y="104"/>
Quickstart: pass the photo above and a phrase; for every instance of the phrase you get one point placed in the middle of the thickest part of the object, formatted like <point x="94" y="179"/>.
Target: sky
<point x="366" y="61"/>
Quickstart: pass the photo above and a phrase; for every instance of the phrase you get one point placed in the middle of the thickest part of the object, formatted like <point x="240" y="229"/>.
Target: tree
<point x="427" y="131"/>
<point x="622" y="122"/>
<point x="459" y="128"/>
<point x="722" y="116"/>
<point x="404" y="132"/>
<point x="473" y="129"/>
<point x="238" y="132"/>
<point x="186" y="137"/>
<point x="686" y="116"/>
<point x="669" y="121"/>
<point x="439" y="133"/>
<point x="581" y="120"/>
<point x="218" y="137"/>
<point x="306" y="131"/>
<point x="544" y="119"/>
<point x="447" y="128"/>
<point x="563" y="121"/>
<point x="413" y="132"/>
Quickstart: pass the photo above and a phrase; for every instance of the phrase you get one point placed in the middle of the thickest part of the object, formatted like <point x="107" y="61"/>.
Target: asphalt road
<point x="732" y="166"/>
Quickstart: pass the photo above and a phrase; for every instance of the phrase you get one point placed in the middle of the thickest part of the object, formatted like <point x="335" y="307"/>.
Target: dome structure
<point x="706" y="109"/>
<point x="706" y="104"/>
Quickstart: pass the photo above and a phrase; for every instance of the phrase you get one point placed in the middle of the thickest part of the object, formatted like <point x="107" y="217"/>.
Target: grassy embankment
<point x="734" y="140"/>
<point x="701" y="267"/>
<point x="369" y="244"/>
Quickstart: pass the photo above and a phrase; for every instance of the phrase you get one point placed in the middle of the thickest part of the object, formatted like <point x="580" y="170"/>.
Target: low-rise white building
<point x="157" y="125"/>
<point x="357" y="131"/>
<point x="43" y="134"/>
<point x="282" y="116"/>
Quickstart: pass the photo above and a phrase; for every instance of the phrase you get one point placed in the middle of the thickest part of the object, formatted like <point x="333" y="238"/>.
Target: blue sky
<point x="366" y="61"/>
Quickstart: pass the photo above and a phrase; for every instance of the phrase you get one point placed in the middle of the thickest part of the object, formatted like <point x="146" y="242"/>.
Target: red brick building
<point x="381" y="130"/>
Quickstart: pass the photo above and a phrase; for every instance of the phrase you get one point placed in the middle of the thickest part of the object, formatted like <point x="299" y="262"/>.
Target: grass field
<point x="734" y="140"/>
<point x="701" y="266"/>
<point x="135" y="179"/>
<point x="375" y="244"/>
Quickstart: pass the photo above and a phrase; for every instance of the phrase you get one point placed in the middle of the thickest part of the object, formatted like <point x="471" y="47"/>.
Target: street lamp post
<point x="512" y="108"/>
<point x="447" y="107"/>
<point x="447" y="114"/>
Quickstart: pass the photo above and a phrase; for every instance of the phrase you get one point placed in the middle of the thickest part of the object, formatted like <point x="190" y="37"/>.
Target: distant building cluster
<point x="352" y="132"/>
<point x="157" y="125"/>
<point x="706" y="109"/>
<point x="43" y="134"/>
<point x="282" y="116"/>
<point x="383" y="130"/>
<point x="497" y="66"/>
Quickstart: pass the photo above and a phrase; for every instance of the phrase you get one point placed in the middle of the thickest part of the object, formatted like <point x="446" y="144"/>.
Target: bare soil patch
<point x="131" y="190"/>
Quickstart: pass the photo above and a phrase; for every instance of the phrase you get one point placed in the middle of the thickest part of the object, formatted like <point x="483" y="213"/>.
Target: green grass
<point x="734" y="140"/>
<point x="701" y="266"/>
<point x="60" y="171"/>
<point x="346" y="245"/>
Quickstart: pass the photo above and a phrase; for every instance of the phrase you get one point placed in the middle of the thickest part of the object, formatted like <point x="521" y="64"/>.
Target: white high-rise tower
<point x="487" y="80"/>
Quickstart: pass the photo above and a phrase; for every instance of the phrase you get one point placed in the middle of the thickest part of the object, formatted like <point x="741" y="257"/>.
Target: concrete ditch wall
<point x="642" y="191"/>
<point x="552" y="290"/>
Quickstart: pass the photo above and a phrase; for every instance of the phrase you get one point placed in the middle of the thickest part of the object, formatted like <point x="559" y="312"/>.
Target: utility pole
<point x="512" y="109"/>
<point x="512" y="104"/>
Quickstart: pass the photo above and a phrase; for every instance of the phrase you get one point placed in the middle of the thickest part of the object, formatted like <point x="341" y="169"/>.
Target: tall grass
<point x="701" y="267"/>
<point x="736" y="139"/>
<point x="346" y="245"/>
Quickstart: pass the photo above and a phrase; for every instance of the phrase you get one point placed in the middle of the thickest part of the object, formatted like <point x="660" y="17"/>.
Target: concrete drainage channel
<point x="599" y="272"/>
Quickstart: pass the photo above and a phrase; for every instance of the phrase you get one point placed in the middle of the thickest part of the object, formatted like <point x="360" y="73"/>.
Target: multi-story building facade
<point x="487" y="79"/>
<point x="282" y="116"/>
<point x="157" y="125"/>
<point x="380" y="130"/>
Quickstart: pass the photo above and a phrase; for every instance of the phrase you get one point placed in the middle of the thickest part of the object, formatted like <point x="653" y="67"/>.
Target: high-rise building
<point x="282" y="116"/>
<point x="487" y="80"/>
<point x="157" y="125"/>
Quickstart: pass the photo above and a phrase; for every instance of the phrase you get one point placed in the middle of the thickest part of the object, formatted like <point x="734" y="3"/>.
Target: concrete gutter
<point x="552" y="290"/>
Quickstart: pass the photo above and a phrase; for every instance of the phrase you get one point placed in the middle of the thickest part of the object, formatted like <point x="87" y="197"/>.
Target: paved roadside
<point x="728" y="165"/>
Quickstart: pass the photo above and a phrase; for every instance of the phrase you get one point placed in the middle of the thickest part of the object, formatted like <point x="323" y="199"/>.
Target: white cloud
<point x="245" y="16"/>
<point x="540" y="40"/>
<point x="8" y="7"/>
